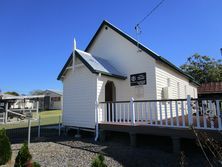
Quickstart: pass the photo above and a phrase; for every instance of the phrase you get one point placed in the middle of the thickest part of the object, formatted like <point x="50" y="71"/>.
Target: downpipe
<point x="96" y="121"/>
<point x="97" y="132"/>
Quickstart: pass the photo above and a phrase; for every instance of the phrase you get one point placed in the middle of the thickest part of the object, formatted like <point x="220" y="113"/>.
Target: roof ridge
<point x="141" y="46"/>
<point x="135" y="42"/>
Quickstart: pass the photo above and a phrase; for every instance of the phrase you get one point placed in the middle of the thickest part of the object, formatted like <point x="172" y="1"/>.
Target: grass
<point x="46" y="118"/>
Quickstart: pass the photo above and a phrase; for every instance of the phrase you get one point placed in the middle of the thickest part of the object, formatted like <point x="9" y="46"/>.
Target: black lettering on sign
<point x="138" y="79"/>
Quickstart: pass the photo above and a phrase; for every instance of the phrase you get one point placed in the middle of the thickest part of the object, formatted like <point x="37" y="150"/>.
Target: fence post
<point x="59" y="125"/>
<point x="39" y="126"/>
<point x="29" y="131"/>
<point x="37" y="107"/>
<point x="189" y="108"/>
<point x="132" y="110"/>
<point x="6" y="113"/>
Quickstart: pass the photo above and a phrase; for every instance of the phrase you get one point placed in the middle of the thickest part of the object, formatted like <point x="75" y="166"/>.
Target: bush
<point x="36" y="164"/>
<point x="99" y="161"/>
<point x="24" y="157"/>
<point x="5" y="148"/>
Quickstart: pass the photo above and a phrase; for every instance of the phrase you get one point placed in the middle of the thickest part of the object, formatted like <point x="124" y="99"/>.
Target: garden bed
<point x="67" y="152"/>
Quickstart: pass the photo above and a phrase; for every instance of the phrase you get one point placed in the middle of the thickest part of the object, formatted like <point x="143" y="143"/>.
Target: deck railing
<point x="182" y="113"/>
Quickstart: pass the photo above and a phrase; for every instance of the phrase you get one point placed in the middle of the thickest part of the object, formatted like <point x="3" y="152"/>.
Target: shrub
<point x="5" y="148"/>
<point x="24" y="157"/>
<point x="99" y="161"/>
<point x="36" y="164"/>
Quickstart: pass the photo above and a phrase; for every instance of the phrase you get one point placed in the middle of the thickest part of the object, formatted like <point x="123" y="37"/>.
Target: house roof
<point x="136" y="43"/>
<point x="210" y="88"/>
<point x="55" y="91"/>
<point x="98" y="65"/>
<point x="22" y="97"/>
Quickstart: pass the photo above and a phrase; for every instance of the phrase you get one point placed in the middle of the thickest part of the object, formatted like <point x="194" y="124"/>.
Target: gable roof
<point x="136" y="43"/>
<point x="98" y="65"/>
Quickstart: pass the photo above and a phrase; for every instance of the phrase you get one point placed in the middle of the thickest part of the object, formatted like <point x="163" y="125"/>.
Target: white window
<point x="168" y="82"/>
<point x="178" y="90"/>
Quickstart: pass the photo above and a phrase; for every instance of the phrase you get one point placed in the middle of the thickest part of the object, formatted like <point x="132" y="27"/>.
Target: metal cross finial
<point x="73" y="53"/>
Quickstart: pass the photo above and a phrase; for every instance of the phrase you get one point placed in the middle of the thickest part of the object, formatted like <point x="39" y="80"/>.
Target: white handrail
<point x="200" y="113"/>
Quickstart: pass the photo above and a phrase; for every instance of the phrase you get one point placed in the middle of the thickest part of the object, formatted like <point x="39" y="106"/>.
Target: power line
<point x="149" y="13"/>
<point x="137" y="27"/>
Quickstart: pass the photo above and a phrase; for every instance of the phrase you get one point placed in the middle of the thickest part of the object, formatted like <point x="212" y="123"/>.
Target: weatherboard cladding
<point x="142" y="47"/>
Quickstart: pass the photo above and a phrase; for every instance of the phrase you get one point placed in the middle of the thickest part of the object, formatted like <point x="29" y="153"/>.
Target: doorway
<point x="110" y="96"/>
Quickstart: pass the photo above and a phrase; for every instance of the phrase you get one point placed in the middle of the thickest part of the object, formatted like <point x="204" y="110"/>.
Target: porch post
<point x="132" y="110"/>
<point x="176" y="144"/>
<point x="189" y="108"/>
<point x="96" y="121"/>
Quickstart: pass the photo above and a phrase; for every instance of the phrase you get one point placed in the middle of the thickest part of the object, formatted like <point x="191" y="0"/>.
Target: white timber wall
<point x="180" y="85"/>
<point x="180" y="88"/>
<point x="79" y="96"/>
<point x="124" y="56"/>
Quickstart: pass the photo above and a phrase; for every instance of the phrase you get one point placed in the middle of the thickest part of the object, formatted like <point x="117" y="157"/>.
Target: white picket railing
<point x="182" y="113"/>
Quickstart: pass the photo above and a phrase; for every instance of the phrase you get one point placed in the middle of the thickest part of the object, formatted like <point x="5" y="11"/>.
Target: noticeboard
<point x="138" y="79"/>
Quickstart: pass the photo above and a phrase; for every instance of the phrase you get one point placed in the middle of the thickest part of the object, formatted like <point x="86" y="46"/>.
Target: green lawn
<point x="46" y="118"/>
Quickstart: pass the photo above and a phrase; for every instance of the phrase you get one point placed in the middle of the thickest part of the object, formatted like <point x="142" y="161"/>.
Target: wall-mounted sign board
<point x="138" y="79"/>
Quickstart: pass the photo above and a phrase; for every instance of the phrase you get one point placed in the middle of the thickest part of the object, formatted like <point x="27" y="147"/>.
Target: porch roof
<point x="98" y="65"/>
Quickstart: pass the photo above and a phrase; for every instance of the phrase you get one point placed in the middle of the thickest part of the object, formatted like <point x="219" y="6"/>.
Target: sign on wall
<point x="138" y="79"/>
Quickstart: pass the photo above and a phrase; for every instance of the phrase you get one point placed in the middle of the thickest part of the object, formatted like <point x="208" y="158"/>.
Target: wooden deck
<point x="142" y="128"/>
<point x="175" y="133"/>
<point x="175" y="118"/>
<point x="163" y="130"/>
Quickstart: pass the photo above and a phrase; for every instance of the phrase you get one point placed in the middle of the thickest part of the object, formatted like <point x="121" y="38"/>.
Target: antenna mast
<point x="137" y="27"/>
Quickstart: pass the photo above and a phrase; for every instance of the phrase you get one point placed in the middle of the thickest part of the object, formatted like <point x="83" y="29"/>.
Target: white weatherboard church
<point x="114" y="67"/>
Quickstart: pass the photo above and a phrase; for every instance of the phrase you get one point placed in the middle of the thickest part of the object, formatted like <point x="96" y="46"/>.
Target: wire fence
<point x="46" y="126"/>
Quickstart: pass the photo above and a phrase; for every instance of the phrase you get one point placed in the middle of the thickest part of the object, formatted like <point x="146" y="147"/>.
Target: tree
<point x="5" y="148"/>
<point x="37" y="92"/>
<point x="24" y="157"/>
<point x="203" y="69"/>
<point x="12" y="93"/>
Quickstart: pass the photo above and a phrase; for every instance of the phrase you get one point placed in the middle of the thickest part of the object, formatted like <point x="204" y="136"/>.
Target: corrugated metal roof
<point x="99" y="65"/>
<point x="212" y="87"/>
<point x="23" y="97"/>
<point x="56" y="91"/>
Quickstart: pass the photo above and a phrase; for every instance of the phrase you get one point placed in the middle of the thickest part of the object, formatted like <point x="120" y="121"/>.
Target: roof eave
<point x="142" y="47"/>
<point x="64" y="67"/>
<point x="111" y="75"/>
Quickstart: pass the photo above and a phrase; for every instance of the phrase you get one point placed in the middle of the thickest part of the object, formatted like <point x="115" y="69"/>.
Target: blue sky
<point x="36" y="36"/>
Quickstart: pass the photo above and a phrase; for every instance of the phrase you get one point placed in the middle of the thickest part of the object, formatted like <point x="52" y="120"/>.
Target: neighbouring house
<point x="115" y="67"/>
<point x="49" y="100"/>
<point x="210" y="90"/>
<point x="53" y="99"/>
<point x="26" y="102"/>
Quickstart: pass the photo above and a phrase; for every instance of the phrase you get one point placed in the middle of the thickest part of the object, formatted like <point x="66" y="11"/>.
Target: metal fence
<point x="43" y="127"/>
